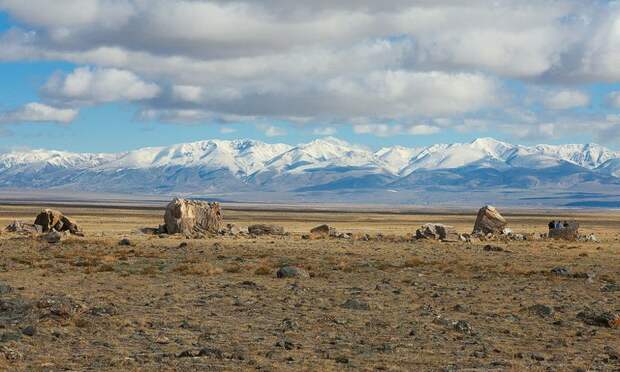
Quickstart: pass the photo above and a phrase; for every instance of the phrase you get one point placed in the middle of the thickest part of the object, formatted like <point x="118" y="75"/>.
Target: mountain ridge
<point x="325" y="164"/>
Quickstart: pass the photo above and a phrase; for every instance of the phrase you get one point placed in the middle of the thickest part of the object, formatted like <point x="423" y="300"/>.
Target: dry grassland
<point x="216" y="304"/>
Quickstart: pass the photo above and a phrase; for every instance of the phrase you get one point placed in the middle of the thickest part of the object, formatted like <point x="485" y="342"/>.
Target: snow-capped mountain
<point x="327" y="164"/>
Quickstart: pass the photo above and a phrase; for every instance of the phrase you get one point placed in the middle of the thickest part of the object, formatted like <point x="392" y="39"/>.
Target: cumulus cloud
<point x="400" y="61"/>
<point x="566" y="99"/>
<point x="38" y="113"/>
<point x="99" y="85"/>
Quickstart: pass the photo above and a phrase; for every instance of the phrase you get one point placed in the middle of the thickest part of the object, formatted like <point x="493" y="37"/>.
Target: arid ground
<point x="389" y="303"/>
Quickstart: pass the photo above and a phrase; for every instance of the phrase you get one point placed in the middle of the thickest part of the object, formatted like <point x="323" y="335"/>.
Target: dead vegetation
<point x="376" y="300"/>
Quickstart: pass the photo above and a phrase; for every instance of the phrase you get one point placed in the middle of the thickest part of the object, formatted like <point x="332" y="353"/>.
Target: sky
<point x="114" y="75"/>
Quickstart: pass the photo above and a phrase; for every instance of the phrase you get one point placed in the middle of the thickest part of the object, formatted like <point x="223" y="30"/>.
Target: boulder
<point x="230" y="229"/>
<point x="489" y="221"/>
<point x="292" y="272"/>
<point x="323" y="231"/>
<point x="567" y="230"/>
<point x="191" y="217"/>
<point x="51" y="219"/>
<point x="22" y="227"/>
<point x="264" y="229"/>
<point x="53" y="237"/>
<point x="435" y="231"/>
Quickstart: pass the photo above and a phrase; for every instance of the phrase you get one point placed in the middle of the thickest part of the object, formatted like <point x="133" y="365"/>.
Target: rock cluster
<point x="22" y="227"/>
<point x="435" y="231"/>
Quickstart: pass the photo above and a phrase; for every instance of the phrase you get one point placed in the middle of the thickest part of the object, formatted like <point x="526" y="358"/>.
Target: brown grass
<point x="221" y="294"/>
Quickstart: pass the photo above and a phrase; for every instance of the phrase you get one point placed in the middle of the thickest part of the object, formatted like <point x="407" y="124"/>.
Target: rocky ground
<point x="389" y="303"/>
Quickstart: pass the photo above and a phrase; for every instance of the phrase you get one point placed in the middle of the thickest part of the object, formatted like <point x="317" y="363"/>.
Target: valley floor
<point x="388" y="303"/>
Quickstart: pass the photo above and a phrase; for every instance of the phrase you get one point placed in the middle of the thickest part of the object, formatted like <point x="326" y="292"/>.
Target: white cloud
<point x="37" y="112"/>
<point x="273" y="131"/>
<point x="86" y="85"/>
<point x="422" y="130"/>
<point x="227" y="130"/>
<point x="187" y="93"/>
<point x="565" y="99"/>
<point x="613" y="99"/>
<point x="388" y="130"/>
<point x="324" y="131"/>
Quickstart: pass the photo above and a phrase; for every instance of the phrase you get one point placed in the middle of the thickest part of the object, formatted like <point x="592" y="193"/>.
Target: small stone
<point x="463" y="327"/>
<point x="183" y="245"/>
<point x="610" y="287"/>
<point x="601" y="319"/>
<point x="124" y="242"/>
<point x="342" y="360"/>
<point x="292" y="272"/>
<point x="53" y="237"/>
<point x="29" y="331"/>
<point x="459" y="308"/>
<point x="162" y="340"/>
<point x="537" y="356"/>
<point x="561" y="271"/>
<point x="493" y="248"/>
<point x="541" y="310"/>
<point x="355" y="304"/>
<point x="285" y="344"/>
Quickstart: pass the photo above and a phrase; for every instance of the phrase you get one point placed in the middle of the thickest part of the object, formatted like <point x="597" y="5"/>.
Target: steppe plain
<point x="386" y="303"/>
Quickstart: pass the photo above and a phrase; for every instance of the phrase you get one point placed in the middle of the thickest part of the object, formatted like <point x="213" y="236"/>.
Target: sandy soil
<point x="389" y="303"/>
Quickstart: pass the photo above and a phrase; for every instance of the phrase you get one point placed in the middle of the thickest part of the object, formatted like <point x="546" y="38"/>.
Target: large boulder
<point x="191" y="217"/>
<point x="489" y="221"/>
<point x="323" y="231"/>
<point x="436" y="231"/>
<point x="567" y="230"/>
<point x="264" y="229"/>
<point x="51" y="219"/>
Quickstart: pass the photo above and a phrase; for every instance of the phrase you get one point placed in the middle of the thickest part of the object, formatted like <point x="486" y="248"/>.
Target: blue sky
<point x="99" y="76"/>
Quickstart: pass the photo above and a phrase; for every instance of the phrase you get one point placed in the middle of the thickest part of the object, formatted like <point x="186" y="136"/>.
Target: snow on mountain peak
<point x="246" y="158"/>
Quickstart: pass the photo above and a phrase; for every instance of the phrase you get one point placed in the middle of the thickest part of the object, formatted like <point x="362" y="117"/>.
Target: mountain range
<point x="220" y="167"/>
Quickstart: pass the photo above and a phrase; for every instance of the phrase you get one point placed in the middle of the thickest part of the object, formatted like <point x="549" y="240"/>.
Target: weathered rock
<point x="436" y="231"/>
<point x="355" y="304"/>
<point x="323" y="231"/>
<point x="124" y="242"/>
<point x="191" y="217"/>
<point x="264" y="229"/>
<point x="561" y="271"/>
<point x="292" y="272"/>
<point x="489" y="221"/>
<point x="493" y="248"/>
<point x="567" y="230"/>
<point x="53" y="237"/>
<point x="51" y="219"/>
<point x="541" y="310"/>
<point x="57" y="307"/>
<point x="22" y="227"/>
<point x="463" y="327"/>
<point x="599" y="318"/>
<point x="29" y="330"/>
